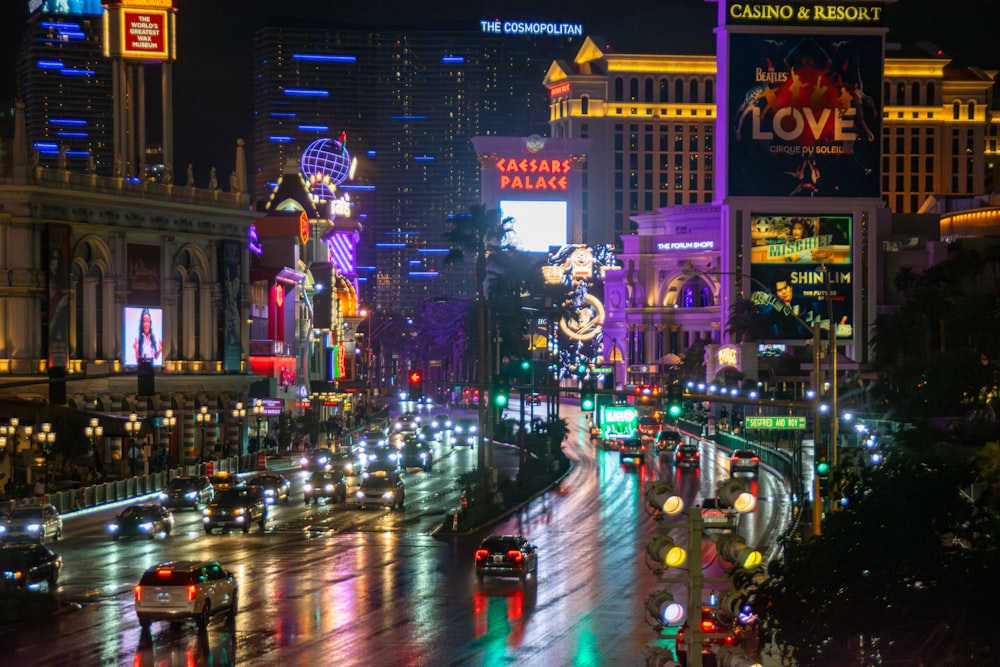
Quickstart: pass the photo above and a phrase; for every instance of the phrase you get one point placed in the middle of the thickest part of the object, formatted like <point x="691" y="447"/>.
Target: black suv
<point x="236" y="507"/>
<point x="194" y="491"/>
<point x="322" y="484"/>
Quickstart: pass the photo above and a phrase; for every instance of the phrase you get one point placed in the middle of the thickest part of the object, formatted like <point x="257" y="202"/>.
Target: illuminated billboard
<point x="538" y="225"/>
<point x="804" y="115"/>
<point x="801" y="269"/>
<point x="142" y="335"/>
<point x="67" y="7"/>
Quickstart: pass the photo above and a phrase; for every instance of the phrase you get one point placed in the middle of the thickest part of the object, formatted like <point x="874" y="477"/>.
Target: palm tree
<point x="745" y="323"/>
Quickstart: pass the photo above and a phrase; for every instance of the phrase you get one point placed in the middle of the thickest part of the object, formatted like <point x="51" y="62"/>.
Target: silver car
<point x="177" y="590"/>
<point x="385" y="491"/>
<point x="32" y="523"/>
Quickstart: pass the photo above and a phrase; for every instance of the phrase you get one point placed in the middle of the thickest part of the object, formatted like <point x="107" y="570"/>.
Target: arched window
<point x="709" y="92"/>
<point x="664" y="90"/>
<point x="955" y="110"/>
<point x="915" y="99"/>
<point x="931" y="94"/>
<point x="696" y="293"/>
<point x="972" y="110"/>
<point x="648" y="91"/>
<point x="619" y="89"/>
<point x="900" y="93"/>
<point x="678" y="91"/>
<point x="886" y="88"/>
<point x="633" y="90"/>
<point x="694" y="90"/>
<point x="584" y="105"/>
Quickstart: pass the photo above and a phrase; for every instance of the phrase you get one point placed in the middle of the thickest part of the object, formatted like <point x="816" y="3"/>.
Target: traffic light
<point x="822" y="469"/>
<point x="663" y="609"/>
<point x="734" y="494"/>
<point x="500" y="393"/>
<point x="416" y="379"/>
<point x="587" y="400"/>
<point x="675" y="401"/>
<point x="661" y="497"/>
<point x="733" y="549"/>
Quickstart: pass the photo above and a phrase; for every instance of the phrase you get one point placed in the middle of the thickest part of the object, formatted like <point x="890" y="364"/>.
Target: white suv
<point x="177" y="590"/>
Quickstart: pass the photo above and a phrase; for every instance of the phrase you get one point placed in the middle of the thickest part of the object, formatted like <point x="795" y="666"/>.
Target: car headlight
<point x="268" y="492"/>
<point x="307" y="488"/>
<point x="387" y="495"/>
<point x="163" y="497"/>
<point x="207" y="511"/>
<point x="33" y="527"/>
<point x="423" y="456"/>
<point x="303" y="461"/>
<point x="146" y="526"/>
<point x="473" y="429"/>
<point x="322" y="460"/>
<point x="238" y="511"/>
<point x="328" y="488"/>
<point x="112" y="527"/>
<point x="360" y="494"/>
<point x="269" y="500"/>
<point x="349" y="467"/>
<point x="191" y="495"/>
<point x="206" y="518"/>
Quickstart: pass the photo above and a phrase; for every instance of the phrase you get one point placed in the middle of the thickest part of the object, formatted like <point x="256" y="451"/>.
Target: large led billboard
<point x="142" y="335"/>
<point x="68" y="7"/>
<point x="538" y="225"/>
<point x="801" y="270"/>
<point x="804" y="115"/>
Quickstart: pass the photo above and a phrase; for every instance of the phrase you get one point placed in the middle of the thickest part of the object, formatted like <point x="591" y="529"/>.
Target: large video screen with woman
<point x="142" y="337"/>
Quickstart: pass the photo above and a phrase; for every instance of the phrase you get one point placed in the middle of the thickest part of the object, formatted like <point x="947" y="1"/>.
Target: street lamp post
<point x="203" y="417"/>
<point x="169" y="421"/>
<point x="258" y="415"/>
<point x="46" y="438"/>
<point x="239" y="415"/>
<point x="94" y="432"/>
<point x="133" y="427"/>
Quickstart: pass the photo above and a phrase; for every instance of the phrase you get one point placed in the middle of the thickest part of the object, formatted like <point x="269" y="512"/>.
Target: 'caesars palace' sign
<point x="534" y="173"/>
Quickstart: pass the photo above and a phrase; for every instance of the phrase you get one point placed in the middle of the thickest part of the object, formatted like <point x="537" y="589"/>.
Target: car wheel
<point x="58" y="535"/>
<point x="166" y="531"/>
<point x="208" y="530"/>
<point x="52" y="579"/>
<point x="246" y="528"/>
<point x="201" y="620"/>
<point x="263" y="524"/>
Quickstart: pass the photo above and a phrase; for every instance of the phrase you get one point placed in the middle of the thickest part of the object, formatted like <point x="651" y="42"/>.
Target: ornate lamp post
<point x="203" y="417"/>
<point x="46" y="438"/>
<point x="133" y="426"/>
<point x="169" y="421"/>
<point x="94" y="432"/>
<point x="239" y="415"/>
<point x="258" y="415"/>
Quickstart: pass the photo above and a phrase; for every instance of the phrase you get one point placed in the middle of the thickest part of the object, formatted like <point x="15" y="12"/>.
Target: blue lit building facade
<point x="410" y="103"/>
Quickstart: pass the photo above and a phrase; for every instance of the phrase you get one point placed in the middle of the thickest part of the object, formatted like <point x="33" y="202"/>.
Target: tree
<point x="904" y="574"/>
<point x="745" y="323"/>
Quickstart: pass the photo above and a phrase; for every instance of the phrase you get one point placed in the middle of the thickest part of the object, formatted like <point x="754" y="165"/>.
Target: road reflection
<point x="175" y="647"/>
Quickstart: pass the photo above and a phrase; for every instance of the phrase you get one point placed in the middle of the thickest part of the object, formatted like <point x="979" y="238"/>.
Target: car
<point x="177" y="590"/>
<point x="142" y="520"/>
<point x="325" y="484"/>
<point x="716" y="634"/>
<point x="32" y="523"/>
<point x="407" y="421"/>
<point x="467" y="432"/>
<point x="384" y="490"/>
<point x="506" y="556"/>
<point x="441" y="422"/>
<point x="316" y="459"/>
<point x="24" y="567"/>
<point x="427" y="433"/>
<point x="371" y="438"/>
<point x="632" y="450"/>
<point x="667" y="440"/>
<point x="347" y="464"/>
<point x="416" y="455"/>
<point x="687" y="456"/>
<point x="743" y="461"/>
<point x="194" y="491"/>
<point x="648" y="426"/>
<point x="535" y="398"/>
<point x="382" y="458"/>
<point x="225" y="480"/>
<point x="276" y="487"/>
<point x="236" y="507"/>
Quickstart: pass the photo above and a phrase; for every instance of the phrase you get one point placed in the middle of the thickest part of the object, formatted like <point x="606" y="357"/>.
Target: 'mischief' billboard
<point x="804" y="115"/>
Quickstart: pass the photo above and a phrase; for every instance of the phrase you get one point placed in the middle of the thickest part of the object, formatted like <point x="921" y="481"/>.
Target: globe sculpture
<point x="326" y="164"/>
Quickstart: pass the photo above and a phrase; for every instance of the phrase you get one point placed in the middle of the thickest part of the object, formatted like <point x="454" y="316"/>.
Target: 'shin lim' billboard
<point x="805" y="264"/>
<point x="538" y="225"/>
<point x="804" y="115"/>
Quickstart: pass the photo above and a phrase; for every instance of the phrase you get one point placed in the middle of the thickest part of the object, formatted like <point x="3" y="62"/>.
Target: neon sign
<point x="686" y="245"/>
<point x="533" y="173"/>
<point x="804" y="13"/>
<point x="560" y="89"/>
<point x="498" y="27"/>
<point x="253" y="241"/>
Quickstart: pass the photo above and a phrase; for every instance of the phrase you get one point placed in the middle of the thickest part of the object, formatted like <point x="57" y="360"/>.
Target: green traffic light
<point x="525" y="365"/>
<point x="587" y="403"/>
<point x="500" y="400"/>
<point x="822" y="468"/>
<point x="675" y="410"/>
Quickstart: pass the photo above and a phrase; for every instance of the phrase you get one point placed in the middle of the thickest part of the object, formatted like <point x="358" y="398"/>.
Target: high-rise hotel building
<point x="410" y="102"/>
<point x="651" y="118"/>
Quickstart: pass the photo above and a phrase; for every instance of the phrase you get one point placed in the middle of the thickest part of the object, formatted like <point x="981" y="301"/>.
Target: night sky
<point x="212" y="76"/>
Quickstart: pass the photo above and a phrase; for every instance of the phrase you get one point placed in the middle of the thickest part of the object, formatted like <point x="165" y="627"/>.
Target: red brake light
<point x="164" y="572"/>
<point x="138" y="593"/>
<point x="708" y="625"/>
<point x="481" y="554"/>
<point x="192" y="592"/>
<point x="516" y="555"/>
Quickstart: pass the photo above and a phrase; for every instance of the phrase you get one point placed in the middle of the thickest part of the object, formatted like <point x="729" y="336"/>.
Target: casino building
<point x="804" y="152"/>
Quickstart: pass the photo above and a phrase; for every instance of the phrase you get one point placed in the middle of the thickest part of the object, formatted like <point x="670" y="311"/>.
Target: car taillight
<point x="481" y="554"/>
<point x="708" y="625"/>
<point x="138" y="593"/>
<point x="192" y="592"/>
<point x="516" y="555"/>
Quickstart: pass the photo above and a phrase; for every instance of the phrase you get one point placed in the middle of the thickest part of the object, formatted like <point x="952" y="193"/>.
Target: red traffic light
<point x="415" y="377"/>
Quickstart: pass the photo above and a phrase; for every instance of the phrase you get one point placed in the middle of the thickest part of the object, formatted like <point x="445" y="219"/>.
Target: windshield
<point x="27" y="513"/>
<point x="182" y="484"/>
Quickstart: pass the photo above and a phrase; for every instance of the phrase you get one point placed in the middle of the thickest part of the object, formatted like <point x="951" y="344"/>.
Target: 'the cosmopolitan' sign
<point x="498" y="27"/>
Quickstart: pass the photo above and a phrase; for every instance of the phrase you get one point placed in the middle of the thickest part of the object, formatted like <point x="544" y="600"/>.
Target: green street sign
<point x="787" y="423"/>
